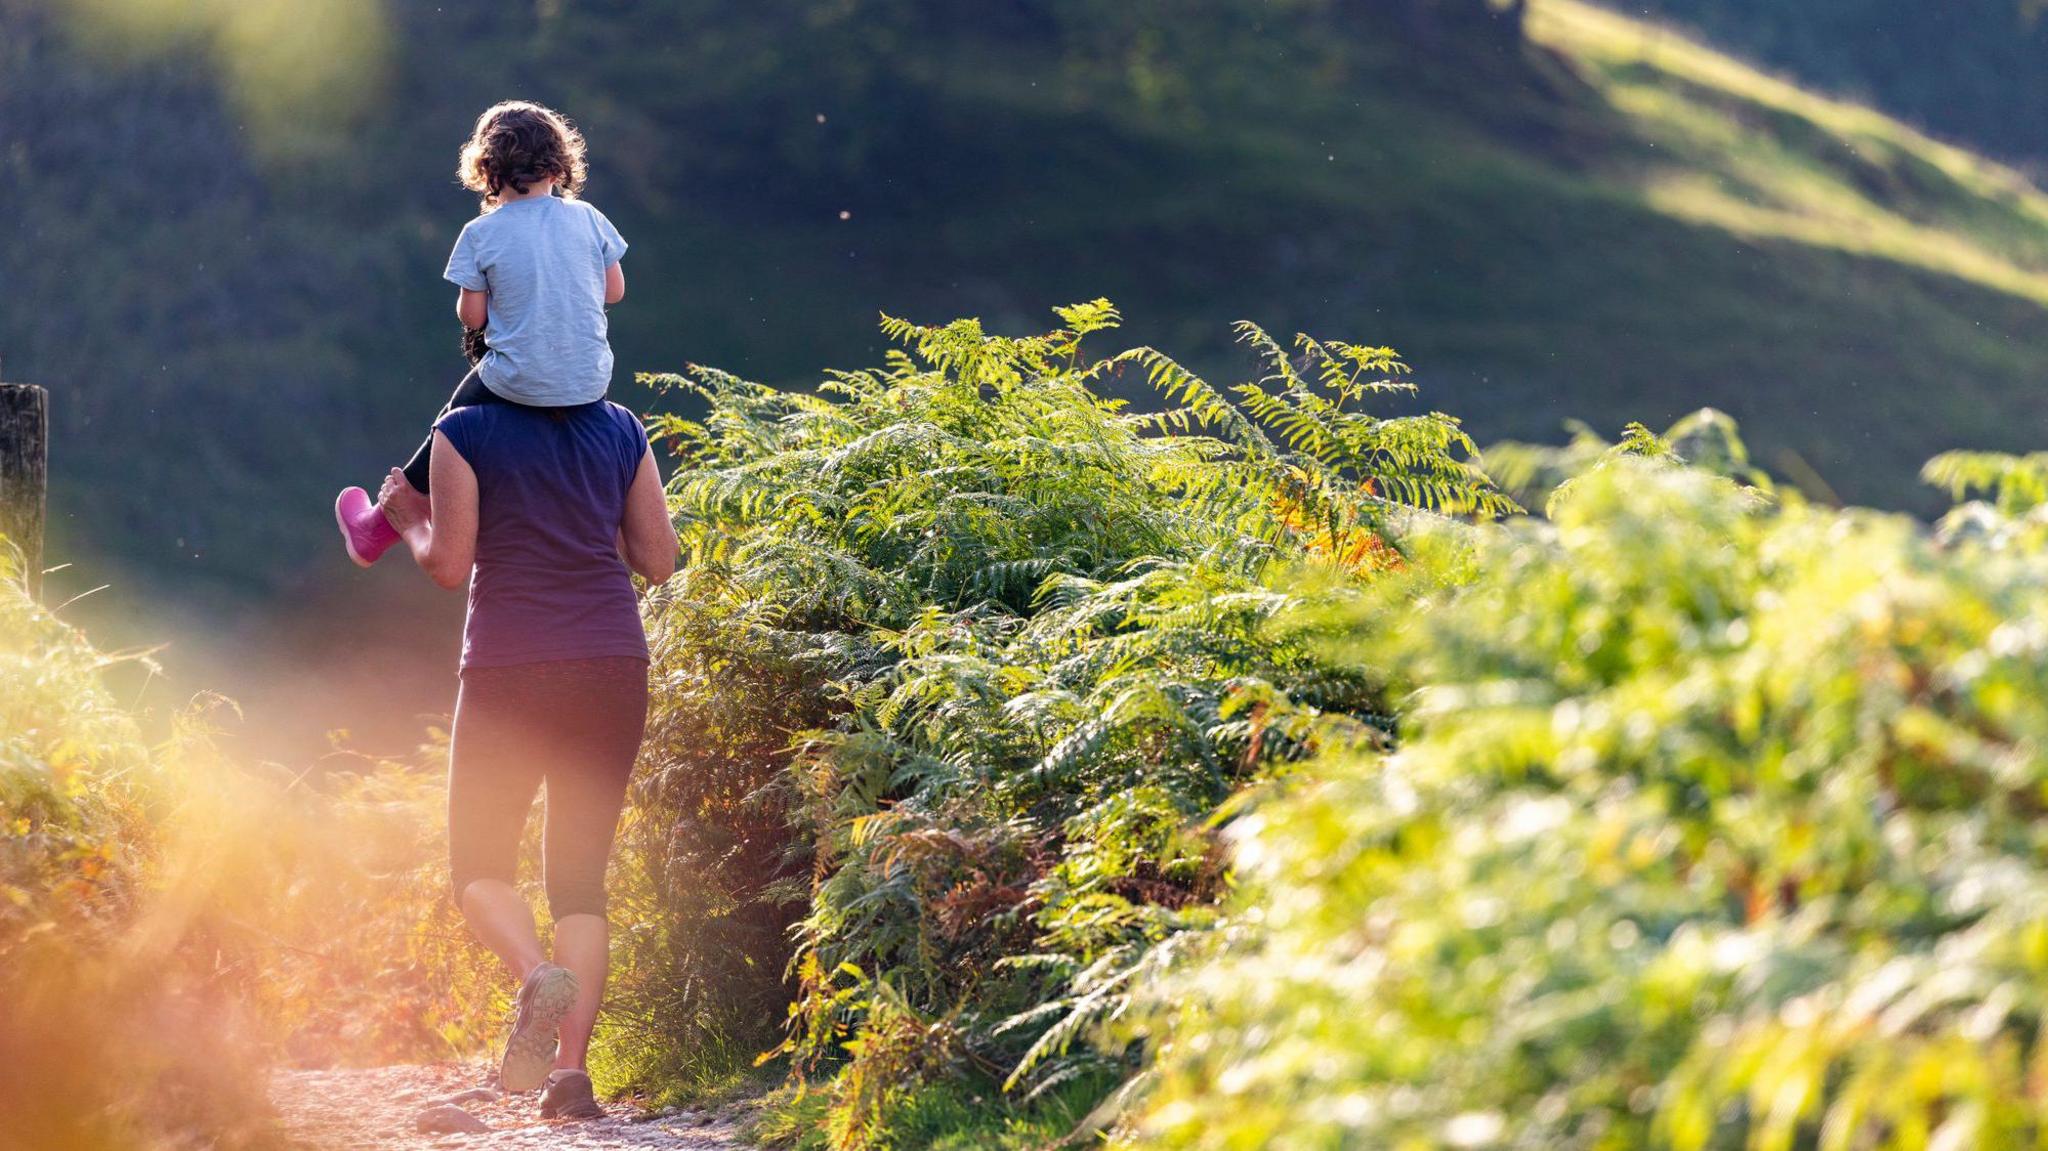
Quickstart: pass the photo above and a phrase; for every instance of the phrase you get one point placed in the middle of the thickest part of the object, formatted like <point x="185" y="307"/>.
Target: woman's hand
<point x="403" y="506"/>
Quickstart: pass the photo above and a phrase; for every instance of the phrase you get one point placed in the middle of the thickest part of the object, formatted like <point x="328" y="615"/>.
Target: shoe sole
<point x="581" y="1111"/>
<point x="530" y="1049"/>
<point x="347" y="541"/>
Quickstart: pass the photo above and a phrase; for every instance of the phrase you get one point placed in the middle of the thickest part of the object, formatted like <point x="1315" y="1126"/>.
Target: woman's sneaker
<point x="568" y="1095"/>
<point x="364" y="531"/>
<point x="546" y="996"/>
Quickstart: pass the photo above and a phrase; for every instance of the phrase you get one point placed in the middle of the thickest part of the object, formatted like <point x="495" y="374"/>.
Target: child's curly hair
<point x="517" y="142"/>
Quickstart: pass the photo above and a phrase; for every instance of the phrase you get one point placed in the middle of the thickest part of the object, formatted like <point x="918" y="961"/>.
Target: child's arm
<point x="473" y="308"/>
<point x="614" y="283"/>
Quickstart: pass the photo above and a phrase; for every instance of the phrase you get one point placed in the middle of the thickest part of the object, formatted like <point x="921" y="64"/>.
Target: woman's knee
<point x="576" y="895"/>
<point x="460" y="882"/>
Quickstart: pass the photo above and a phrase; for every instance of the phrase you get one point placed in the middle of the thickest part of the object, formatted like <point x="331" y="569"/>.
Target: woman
<point x="543" y="511"/>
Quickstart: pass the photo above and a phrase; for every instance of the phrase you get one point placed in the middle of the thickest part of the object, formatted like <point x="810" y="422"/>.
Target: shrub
<point x="965" y="656"/>
<point x="1715" y="823"/>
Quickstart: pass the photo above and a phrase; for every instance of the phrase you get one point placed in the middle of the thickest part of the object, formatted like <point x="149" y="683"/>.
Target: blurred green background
<point x="227" y="223"/>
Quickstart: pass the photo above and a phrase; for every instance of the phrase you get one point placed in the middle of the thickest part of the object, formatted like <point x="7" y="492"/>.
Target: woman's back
<point x="549" y="582"/>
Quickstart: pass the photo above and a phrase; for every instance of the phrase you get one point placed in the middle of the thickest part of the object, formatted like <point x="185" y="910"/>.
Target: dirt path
<point x="380" y="1107"/>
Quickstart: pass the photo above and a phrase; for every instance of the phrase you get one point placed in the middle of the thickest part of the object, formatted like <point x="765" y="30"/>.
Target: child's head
<point x="518" y="143"/>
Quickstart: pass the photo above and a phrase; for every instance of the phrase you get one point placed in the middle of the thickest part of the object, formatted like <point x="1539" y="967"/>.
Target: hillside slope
<point x="1853" y="291"/>
<point x="1615" y="224"/>
<point x="1975" y="71"/>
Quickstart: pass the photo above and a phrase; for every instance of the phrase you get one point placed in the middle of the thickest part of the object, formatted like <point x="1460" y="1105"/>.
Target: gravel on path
<point x="378" y="1108"/>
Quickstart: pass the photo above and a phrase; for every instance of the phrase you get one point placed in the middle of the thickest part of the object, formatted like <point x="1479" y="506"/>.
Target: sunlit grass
<point x="1596" y="35"/>
<point x="1732" y="148"/>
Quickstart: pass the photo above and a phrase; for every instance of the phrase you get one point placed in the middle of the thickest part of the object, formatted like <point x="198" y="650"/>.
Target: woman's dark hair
<point x="518" y="142"/>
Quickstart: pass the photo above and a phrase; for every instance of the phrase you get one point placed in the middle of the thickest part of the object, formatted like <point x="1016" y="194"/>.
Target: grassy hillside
<point x="1971" y="70"/>
<point x="1616" y="225"/>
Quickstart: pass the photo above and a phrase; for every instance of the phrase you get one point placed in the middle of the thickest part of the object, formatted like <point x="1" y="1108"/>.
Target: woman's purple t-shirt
<point x="551" y="490"/>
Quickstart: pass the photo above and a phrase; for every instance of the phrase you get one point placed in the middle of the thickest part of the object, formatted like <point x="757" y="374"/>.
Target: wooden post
<point x="25" y="473"/>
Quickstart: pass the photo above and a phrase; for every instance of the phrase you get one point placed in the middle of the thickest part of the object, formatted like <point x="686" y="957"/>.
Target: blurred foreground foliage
<point x="172" y="923"/>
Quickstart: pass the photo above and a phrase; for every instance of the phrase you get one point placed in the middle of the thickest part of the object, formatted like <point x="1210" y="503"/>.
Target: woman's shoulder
<point x="462" y="418"/>
<point x="625" y="420"/>
<point x="477" y="416"/>
<point x="461" y="424"/>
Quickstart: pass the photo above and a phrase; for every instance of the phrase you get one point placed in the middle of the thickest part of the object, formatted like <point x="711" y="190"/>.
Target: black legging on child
<point x="573" y="725"/>
<point x="468" y="394"/>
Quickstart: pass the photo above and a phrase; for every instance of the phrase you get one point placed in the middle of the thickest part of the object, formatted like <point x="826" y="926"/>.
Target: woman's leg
<point x="583" y="945"/>
<point x="498" y="916"/>
<point x="586" y="790"/>
<point x="493" y="772"/>
<point x="468" y="394"/>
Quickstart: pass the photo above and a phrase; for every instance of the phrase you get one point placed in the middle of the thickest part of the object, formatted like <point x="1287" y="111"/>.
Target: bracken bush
<point x="964" y="657"/>
<point x="1715" y="822"/>
<point x="1239" y="773"/>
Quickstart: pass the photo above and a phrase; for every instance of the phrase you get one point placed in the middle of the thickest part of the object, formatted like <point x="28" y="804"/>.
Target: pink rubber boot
<point x="364" y="531"/>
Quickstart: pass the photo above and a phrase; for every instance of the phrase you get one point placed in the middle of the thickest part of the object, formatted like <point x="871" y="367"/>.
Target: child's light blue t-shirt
<point x="542" y="261"/>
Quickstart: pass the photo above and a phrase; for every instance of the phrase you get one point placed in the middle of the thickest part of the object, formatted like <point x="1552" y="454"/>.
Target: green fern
<point x="1029" y="644"/>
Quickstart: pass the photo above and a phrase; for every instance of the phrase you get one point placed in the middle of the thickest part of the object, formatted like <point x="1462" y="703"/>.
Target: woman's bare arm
<point x="445" y="545"/>
<point x="614" y="283"/>
<point x="646" y="535"/>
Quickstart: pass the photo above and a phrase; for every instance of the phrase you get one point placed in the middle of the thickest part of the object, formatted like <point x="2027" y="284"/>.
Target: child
<point x="536" y="270"/>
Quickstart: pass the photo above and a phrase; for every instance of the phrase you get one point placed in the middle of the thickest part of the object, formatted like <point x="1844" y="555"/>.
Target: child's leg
<point x="468" y="394"/>
<point x="366" y="529"/>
